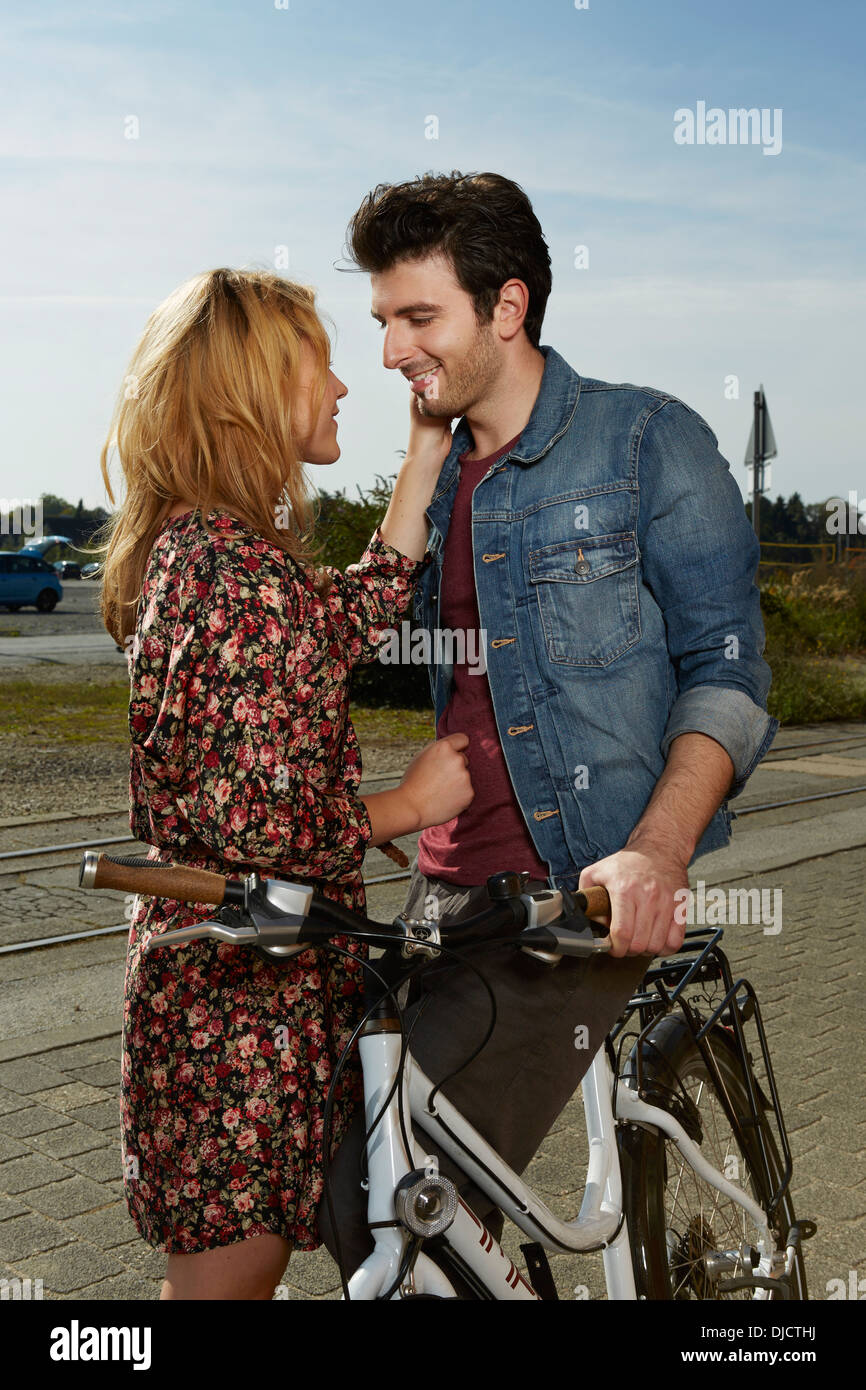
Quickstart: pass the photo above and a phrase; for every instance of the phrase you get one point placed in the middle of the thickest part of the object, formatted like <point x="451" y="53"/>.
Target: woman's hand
<point x="437" y="782"/>
<point x="404" y="524"/>
<point x="429" y="436"/>
<point x="436" y="787"/>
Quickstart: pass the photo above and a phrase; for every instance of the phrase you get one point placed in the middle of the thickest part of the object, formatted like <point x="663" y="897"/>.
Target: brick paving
<point x="62" y="1215"/>
<point x="63" y="1219"/>
<point x="809" y="980"/>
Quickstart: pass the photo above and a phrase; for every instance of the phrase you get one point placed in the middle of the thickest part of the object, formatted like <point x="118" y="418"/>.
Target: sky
<point x="713" y="268"/>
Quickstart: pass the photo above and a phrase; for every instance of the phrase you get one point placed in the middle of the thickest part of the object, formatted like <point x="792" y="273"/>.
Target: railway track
<point x="6" y="856"/>
<point x="850" y="740"/>
<point x="20" y="947"/>
<point x="77" y="846"/>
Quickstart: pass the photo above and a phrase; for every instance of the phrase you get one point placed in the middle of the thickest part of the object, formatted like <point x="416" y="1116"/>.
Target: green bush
<point x="343" y="530"/>
<point x="813" y="617"/>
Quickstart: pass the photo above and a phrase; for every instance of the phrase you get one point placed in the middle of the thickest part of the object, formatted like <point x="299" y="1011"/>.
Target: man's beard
<point x="468" y="378"/>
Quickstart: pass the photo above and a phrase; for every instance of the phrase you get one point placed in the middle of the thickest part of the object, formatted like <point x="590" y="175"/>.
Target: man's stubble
<point x="469" y="379"/>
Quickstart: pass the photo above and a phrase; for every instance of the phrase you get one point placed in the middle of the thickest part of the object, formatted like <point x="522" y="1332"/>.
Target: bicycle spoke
<point x="698" y="1217"/>
<point x="689" y="1237"/>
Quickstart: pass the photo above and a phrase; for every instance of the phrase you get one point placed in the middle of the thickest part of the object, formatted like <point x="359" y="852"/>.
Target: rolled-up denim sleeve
<point x="700" y="557"/>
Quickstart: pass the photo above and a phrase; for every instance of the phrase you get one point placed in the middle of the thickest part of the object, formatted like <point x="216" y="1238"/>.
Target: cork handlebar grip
<point x="133" y="875"/>
<point x="597" y="901"/>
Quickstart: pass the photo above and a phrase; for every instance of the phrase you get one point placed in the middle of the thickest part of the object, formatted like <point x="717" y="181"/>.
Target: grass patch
<point x="393" y="725"/>
<point x="815" y="622"/>
<point x="65" y="711"/>
<point x="811" y="691"/>
<point x="72" y="711"/>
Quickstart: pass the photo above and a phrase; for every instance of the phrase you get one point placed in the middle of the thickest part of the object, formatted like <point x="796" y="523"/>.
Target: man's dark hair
<point x="483" y="223"/>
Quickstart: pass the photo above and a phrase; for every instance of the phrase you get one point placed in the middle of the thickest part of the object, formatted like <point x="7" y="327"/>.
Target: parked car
<point x="27" y="580"/>
<point x="90" y="571"/>
<point x="67" y="569"/>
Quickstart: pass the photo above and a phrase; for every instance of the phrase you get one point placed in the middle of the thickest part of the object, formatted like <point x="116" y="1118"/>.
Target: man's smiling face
<point x="431" y="334"/>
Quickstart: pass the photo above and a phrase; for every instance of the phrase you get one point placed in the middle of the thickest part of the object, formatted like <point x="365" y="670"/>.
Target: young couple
<point x="592" y="532"/>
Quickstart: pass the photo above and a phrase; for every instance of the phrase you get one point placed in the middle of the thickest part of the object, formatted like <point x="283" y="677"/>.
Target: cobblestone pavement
<point x="62" y="1216"/>
<point x="63" y="1219"/>
<point x="809" y="980"/>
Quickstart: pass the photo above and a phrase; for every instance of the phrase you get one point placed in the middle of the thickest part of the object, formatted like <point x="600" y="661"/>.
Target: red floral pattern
<point x="243" y="756"/>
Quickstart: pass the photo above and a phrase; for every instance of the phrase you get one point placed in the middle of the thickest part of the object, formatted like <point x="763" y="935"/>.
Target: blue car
<point x="26" y="580"/>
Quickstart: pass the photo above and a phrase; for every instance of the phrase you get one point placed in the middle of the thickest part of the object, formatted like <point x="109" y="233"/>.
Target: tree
<point x="55" y="506"/>
<point x="343" y="531"/>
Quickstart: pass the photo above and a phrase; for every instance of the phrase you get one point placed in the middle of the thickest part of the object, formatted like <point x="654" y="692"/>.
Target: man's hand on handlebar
<point x="642" y="890"/>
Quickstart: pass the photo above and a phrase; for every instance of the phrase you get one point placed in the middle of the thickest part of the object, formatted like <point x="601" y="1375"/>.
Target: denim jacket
<point x="614" y="569"/>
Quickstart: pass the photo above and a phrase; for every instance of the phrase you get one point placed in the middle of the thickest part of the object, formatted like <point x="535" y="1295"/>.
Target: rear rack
<point x="701" y="959"/>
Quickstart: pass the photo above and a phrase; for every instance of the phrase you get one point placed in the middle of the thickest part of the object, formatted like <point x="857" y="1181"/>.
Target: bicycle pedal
<point x="538" y="1269"/>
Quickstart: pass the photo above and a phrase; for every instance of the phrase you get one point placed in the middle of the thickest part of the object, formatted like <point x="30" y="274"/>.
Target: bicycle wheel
<point x="674" y="1217"/>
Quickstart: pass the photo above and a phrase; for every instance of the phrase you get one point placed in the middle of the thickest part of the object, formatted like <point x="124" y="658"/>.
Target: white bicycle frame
<point x="600" y="1221"/>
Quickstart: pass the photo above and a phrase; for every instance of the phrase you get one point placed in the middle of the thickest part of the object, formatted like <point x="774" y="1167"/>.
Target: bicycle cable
<point x="409" y="1257"/>
<point x="458" y="952"/>
<point x="414" y="971"/>
<point x="342" y="1061"/>
<point x="327" y="1120"/>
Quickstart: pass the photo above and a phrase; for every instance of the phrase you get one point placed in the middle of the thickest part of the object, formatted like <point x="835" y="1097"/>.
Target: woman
<point x="243" y="756"/>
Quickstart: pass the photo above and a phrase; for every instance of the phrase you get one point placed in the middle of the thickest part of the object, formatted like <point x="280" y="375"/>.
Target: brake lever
<point x="566" y="941"/>
<point x="199" y="931"/>
<point x="273" y="909"/>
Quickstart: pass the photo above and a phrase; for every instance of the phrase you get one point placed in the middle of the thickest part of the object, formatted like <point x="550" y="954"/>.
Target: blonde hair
<point x="205" y="414"/>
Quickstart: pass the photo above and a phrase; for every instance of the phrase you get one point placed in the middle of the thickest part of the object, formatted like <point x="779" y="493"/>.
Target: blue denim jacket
<point x="614" y="569"/>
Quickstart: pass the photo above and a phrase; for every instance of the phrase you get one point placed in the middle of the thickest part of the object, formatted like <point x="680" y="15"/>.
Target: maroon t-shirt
<point x="491" y="834"/>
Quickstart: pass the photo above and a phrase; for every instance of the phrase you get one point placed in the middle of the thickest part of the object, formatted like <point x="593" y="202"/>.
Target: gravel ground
<point x="40" y="777"/>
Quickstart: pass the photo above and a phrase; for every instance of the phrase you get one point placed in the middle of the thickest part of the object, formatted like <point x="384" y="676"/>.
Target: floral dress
<point x="243" y="757"/>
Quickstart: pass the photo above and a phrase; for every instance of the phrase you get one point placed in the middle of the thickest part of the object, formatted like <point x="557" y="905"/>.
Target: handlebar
<point x="279" y="918"/>
<point x="136" y="875"/>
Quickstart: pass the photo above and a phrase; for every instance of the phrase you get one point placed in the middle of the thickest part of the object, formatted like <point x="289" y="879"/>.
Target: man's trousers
<point x="513" y="1091"/>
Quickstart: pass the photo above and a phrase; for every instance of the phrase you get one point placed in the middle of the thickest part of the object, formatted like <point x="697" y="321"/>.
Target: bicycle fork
<point x="410" y="1200"/>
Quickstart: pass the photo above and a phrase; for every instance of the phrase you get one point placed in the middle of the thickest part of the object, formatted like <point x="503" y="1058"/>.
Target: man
<point x="593" y="534"/>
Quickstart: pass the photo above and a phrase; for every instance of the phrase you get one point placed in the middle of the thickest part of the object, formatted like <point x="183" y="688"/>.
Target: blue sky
<point x="263" y="127"/>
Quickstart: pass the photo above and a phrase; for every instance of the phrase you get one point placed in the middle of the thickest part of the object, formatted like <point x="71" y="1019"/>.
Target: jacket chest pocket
<point x="587" y="598"/>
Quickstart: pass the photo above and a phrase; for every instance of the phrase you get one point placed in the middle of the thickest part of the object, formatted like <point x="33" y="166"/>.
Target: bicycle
<point x="669" y="1220"/>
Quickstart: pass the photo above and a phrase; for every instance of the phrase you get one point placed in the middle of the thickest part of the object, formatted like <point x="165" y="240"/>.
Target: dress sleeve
<point x="368" y="598"/>
<point x="222" y="737"/>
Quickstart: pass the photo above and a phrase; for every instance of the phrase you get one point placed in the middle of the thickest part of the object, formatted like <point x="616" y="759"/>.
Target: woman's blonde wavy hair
<point x="205" y="414"/>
